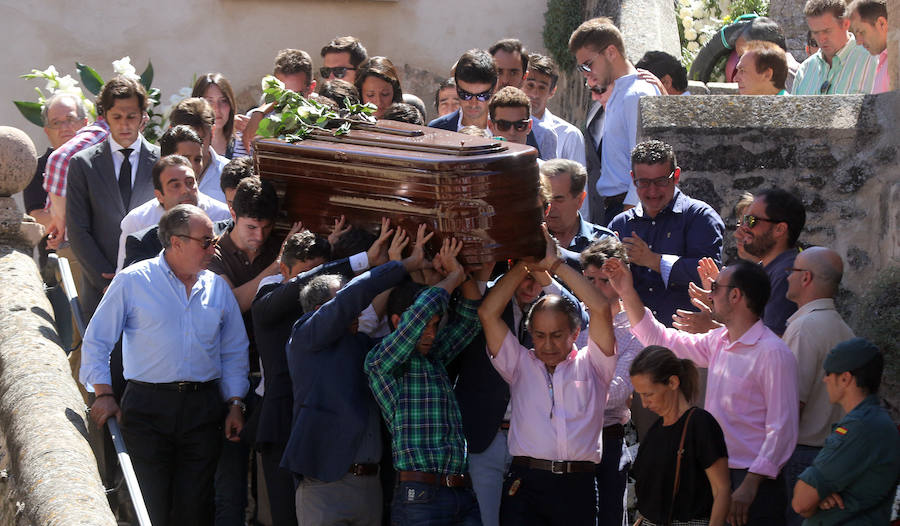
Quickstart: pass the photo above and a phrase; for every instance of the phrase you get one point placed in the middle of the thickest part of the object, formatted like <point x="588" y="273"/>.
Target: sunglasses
<point x="714" y="286"/>
<point x="823" y="89"/>
<point x="205" y="242"/>
<point x="482" y="97"/>
<point x="659" y="182"/>
<point x="750" y="221"/>
<point x="339" y="72"/>
<point x="503" y="125"/>
<point x="586" y="66"/>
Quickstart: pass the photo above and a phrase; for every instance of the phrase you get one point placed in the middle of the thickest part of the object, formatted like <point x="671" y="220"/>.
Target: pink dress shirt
<point x="751" y="389"/>
<point x="881" y="74"/>
<point x="558" y="416"/>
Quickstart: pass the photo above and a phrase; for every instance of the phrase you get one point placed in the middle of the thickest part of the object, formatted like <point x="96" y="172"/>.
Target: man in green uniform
<point x="852" y="480"/>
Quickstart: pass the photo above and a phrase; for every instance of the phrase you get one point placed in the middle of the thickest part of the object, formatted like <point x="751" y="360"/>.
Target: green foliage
<point x="31" y="111"/>
<point x="147" y="77"/>
<point x="746" y="7"/>
<point x="562" y="17"/>
<point x="295" y="117"/>
<point x="91" y="80"/>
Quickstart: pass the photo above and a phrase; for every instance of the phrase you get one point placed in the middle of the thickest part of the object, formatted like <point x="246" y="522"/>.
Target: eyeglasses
<point x="339" y="72"/>
<point x="823" y="89"/>
<point x="659" y="182"/>
<point x="503" y="125"/>
<point x="715" y="285"/>
<point x="482" y="97"/>
<point x="750" y="221"/>
<point x="791" y="270"/>
<point x="70" y="122"/>
<point x="205" y="242"/>
<point x="586" y="66"/>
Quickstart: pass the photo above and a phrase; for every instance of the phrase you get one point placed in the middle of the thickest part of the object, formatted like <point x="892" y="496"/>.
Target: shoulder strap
<point x="679" y="454"/>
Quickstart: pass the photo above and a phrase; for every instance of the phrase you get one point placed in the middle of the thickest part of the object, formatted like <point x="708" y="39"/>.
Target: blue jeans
<point x="801" y="458"/>
<point x="488" y="469"/>
<point x="420" y="504"/>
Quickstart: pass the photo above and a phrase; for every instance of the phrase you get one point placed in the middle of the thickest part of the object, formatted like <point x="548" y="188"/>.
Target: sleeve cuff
<point x="763" y="467"/>
<point x="359" y="262"/>
<point x="553" y="288"/>
<point x="666" y="262"/>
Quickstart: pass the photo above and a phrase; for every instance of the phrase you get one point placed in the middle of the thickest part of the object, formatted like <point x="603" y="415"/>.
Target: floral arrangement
<point x="93" y="82"/>
<point x="701" y="20"/>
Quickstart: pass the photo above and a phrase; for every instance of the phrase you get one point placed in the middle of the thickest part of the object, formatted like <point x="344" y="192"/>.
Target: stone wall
<point x="789" y="15"/>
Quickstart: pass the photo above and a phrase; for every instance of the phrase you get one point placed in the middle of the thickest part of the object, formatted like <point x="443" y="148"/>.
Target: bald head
<point x="818" y="274"/>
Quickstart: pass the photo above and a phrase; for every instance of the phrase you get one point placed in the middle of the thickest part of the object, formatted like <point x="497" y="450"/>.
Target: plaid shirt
<point x="58" y="163"/>
<point x="414" y="391"/>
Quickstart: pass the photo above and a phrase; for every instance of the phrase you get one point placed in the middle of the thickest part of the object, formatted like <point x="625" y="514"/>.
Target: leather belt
<point x="363" y="470"/>
<point x="614" y="432"/>
<point x="449" y="481"/>
<point x="181" y="387"/>
<point x="614" y="199"/>
<point x="504" y="426"/>
<point x="558" y="467"/>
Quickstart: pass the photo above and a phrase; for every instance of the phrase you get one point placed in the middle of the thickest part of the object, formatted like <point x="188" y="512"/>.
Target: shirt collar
<point x="135" y="146"/>
<point x="882" y="57"/>
<point x="749" y="338"/>
<point x="814" y="305"/>
<point x="841" y="54"/>
<point x="676" y="205"/>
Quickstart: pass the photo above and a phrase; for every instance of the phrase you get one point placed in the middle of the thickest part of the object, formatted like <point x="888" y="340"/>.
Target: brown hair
<point x="660" y="364"/>
<point x="819" y="7"/>
<point x="575" y="170"/>
<point x="598" y="33"/>
<point x="203" y="83"/>
<point x="293" y="61"/>
<point x="194" y="112"/>
<point x="769" y="56"/>
<point x="167" y="162"/>
<point x="120" y="87"/>
<point x="509" y="97"/>
<point x="511" y="45"/>
<point x="382" y="68"/>
<point x="869" y="11"/>
<point x="545" y="65"/>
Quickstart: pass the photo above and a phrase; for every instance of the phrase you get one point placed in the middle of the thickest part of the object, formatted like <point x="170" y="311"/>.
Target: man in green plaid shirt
<point x="408" y="378"/>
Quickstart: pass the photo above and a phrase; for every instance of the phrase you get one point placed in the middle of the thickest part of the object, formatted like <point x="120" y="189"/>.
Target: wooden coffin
<point x="481" y="191"/>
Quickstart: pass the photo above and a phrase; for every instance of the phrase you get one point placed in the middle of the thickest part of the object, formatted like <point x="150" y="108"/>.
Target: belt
<point x="504" y="426"/>
<point x="614" y="432"/>
<point x="181" y="387"/>
<point x="614" y="198"/>
<point x="450" y="481"/>
<point x="558" y="467"/>
<point x="363" y="470"/>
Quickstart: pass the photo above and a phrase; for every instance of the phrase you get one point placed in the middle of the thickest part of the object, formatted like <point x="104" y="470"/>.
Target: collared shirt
<point x="620" y="125"/>
<point x="751" y="389"/>
<point x="852" y="70"/>
<point x="779" y="308"/>
<point x="860" y="460"/>
<point x="58" y="163"/>
<point x="620" y="389"/>
<point x="118" y="156"/>
<point x="546" y="139"/>
<point x="459" y="124"/>
<point x="556" y="416"/>
<point x="168" y="335"/>
<point x="569" y="145"/>
<point x="683" y="232"/>
<point x="414" y="392"/>
<point x="587" y="234"/>
<point x="209" y="183"/>
<point x="882" y="83"/>
<point x="149" y="214"/>
<point x="812" y="331"/>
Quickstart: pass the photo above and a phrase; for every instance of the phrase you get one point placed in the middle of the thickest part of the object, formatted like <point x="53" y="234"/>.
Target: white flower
<point x="699" y="11"/>
<point x="49" y="73"/>
<point x="123" y="67"/>
<point x="686" y="3"/>
<point x="688" y="23"/>
<point x="66" y="83"/>
<point x="704" y="39"/>
<point x="685" y="12"/>
<point x="268" y="81"/>
<point x="690" y="35"/>
<point x="693" y="47"/>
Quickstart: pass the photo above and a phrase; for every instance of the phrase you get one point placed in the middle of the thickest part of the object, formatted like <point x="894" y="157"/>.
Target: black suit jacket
<point x="449" y="122"/>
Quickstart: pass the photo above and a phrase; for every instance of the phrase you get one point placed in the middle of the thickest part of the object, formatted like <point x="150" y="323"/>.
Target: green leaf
<point x="266" y="128"/>
<point x="343" y="129"/>
<point x="91" y="80"/>
<point x="147" y="76"/>
<point x="31" y="111"/>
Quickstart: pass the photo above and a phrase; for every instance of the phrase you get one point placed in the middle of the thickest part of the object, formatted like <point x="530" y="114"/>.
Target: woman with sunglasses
<point x="216" y="89"/>
<point x="378" y="82"/>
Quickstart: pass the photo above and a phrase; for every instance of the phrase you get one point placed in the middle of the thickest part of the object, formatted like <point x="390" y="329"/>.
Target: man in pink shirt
<point x="868" y="23"/>
<point x="558" y="395"/>
<point x="752" y="383"/>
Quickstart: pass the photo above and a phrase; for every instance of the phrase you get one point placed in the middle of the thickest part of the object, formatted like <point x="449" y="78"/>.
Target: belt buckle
<point x="557" y="467"/>
<point x="183" y="386"/>
<point x="450" y="479"/>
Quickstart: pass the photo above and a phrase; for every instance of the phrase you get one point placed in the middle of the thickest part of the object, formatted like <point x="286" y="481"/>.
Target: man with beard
<point x="768" y="232"/>
<point x="752" y="384"/>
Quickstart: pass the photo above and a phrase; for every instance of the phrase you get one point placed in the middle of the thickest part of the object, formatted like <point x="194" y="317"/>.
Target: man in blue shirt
<point x="184" y="351"/>
<point x="567" y="181"/>
<point x="667" y="233"/>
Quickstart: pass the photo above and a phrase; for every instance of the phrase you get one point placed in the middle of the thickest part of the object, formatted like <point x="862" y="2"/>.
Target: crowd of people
<point x="377" y="385"/>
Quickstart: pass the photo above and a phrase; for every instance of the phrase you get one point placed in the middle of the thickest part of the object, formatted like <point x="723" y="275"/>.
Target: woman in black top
<point x="666" y="385"/>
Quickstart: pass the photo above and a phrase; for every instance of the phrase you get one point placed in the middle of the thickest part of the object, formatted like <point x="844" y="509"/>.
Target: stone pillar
<point x="789" y="15"/>
<point x="893" y="7"/>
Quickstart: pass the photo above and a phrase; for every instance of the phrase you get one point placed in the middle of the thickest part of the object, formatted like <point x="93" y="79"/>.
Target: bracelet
<point x="99" y="396"/>
<point x="555" y="266"/>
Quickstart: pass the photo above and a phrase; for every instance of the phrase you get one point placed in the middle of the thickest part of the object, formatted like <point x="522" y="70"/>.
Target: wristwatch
<point x="240" y="403"/>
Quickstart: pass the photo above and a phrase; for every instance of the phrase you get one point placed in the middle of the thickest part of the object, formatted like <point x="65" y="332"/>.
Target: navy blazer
<point x="274" y="311"/>
<point x="332" y="399"/>
<point x="451" y="120"/>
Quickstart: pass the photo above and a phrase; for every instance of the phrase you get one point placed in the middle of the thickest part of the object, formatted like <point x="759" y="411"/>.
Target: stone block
<point x="18" y="160"/>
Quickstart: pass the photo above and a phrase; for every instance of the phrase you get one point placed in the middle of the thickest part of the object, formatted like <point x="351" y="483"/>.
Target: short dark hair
<point x="765" y="29"/>
<point x="176" y="222"/>
<point x="401" y="298"/>
<point x="382" y="68"/>
<point x="338" y="90"/>
<point x="255" y="198"/>
<point x="869" y="11"/>
<point x="347" y="44"/>
<point x="544" y="65"/>
<point x="477" y="67"/>
<point x="168" y="143"/>
<point x="354" y="241"/>
<point x="598" y="33"/>
<point x="217" y="79"/>
<point x="661" y="64"/>
<point x="317" y="291"/>
<point x="784" y="206"/>
<point x="446" y="83"/>
<point x="753" y="282"/>
<point x="575" y="170"/>
<point x="653" y="152"/>
<point x="195" y="112"/>
<point x="769" y="56"/>
<point x="660" y="364"/>
<point x="555" y="303"/>
<point x="607" y="247"/>
<point x="304" y="246"/>
<point x="509" y="97"/>
<point x="120" y="87"/>
<point x="402" y="112"/>
<point x="511" y="45"/>
<point x="868" y="377"/>
<point x="236" y="171"/>
<point x="167" y="162"/>
<point x="838" y="8"/>
<point x="293" y="61"/>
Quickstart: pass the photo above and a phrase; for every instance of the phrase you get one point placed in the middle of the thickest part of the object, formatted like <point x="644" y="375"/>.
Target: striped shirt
<point x="414" y="391"/>
<point x="852" y="71"/>
<point x="58" y="163"/>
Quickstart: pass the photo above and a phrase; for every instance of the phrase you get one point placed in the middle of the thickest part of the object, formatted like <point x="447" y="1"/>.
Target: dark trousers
<point x="417" y="503"/>
<point x="613" y="205"/>
<point x="544" y="498"/>
<point x="173" y="439"/>
<point x="610" y="479"/>
<point x="279" y="485"/>
<point x="768" y="507"/>
<point x="231" y="473"/>
<point x="801" y="459"/>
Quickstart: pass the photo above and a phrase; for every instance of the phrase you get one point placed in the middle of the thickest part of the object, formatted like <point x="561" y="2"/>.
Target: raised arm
<point x="491" y="310"/>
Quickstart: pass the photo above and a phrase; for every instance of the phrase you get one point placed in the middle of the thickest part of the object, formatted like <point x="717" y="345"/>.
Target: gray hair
<point x="80" y="109"/>
<point x="318" y="291"/>
<point x="576" y="172"/>
<point x="177" y="222"/>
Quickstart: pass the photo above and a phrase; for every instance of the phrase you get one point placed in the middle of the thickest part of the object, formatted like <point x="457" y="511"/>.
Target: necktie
<point x="125" y="177"/>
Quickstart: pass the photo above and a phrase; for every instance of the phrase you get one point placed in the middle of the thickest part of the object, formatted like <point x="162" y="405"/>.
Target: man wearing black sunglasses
<point x="510" y="115"/>
<point x="341" y="57"/>
<point x="476" y="79"/>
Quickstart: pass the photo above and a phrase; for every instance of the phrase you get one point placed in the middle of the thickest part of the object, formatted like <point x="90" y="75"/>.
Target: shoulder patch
<point x="841" y="430"/>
